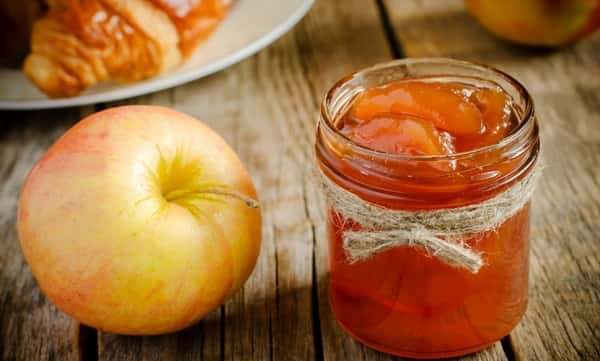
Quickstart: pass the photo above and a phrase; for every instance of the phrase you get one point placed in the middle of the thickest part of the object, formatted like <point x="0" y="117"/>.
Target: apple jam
<point x="425" y="135"/>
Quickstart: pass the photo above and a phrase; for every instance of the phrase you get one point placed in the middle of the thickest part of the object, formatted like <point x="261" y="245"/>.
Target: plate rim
<point x="170" y="81"/>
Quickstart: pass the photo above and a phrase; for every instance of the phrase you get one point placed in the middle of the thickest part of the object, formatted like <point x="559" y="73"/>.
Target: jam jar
<point x="424" y="139"/>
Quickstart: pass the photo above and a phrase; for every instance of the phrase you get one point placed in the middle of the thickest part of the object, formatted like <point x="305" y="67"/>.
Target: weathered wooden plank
<point x="283" y="196"/>
<point x="30" y="327"/>
<point x="199" y="342"/>
<point x="563" y="318"/>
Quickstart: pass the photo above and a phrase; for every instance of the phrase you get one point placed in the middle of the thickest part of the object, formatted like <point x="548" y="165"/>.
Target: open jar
<point x="429" y="254"/>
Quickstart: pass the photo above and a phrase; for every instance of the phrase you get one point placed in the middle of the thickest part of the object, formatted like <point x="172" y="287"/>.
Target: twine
<point x="440" y="232"/>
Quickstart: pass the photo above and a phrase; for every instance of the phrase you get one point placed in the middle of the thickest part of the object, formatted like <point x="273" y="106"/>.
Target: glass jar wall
<point x="404" y="300"/>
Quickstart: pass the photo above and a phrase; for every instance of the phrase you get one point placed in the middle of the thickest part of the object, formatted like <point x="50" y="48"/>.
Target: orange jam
<point x="415" y="117"/>
<point x="428" y="135"/>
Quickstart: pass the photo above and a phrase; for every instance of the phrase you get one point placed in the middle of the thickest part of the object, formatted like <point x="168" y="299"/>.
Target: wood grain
<point x="30" y="327"/>
<point x="563" y="318"/>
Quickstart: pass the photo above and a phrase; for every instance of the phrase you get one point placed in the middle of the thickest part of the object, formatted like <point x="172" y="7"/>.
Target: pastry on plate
<point x="79" y="43"/>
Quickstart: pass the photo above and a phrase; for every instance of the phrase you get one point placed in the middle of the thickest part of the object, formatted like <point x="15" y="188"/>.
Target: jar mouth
<point x="330" y="113"/>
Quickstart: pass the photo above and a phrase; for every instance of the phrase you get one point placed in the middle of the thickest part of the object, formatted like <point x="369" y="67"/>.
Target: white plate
<point x="251" y="25"/>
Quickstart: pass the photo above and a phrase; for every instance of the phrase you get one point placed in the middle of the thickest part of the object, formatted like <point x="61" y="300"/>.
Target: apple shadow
<point x="279" y="326"/>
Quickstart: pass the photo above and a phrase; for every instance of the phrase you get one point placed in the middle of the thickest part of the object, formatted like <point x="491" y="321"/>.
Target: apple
<point x="139" y="220"/>
<point x="547" y="23"/>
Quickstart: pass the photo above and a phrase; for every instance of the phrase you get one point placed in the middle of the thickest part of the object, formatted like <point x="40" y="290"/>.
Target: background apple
<point x="139" y="220"/>
<point x="538" y="22"/>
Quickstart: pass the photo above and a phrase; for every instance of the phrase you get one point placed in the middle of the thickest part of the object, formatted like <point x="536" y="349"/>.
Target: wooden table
<point x="266" y="108"/>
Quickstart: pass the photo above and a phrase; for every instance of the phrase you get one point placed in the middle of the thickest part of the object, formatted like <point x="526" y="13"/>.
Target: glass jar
<point x="404" y="300"/>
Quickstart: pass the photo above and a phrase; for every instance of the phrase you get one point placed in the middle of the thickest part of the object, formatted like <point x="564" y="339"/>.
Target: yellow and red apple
<point x="139" y="220"/>
<point x="547" y="23"/>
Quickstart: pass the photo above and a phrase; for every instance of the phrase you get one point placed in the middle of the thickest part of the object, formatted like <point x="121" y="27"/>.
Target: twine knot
<point x="440" y="232"/>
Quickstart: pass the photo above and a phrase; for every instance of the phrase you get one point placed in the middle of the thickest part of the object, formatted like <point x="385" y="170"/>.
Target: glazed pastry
<point x="79" y="43"/>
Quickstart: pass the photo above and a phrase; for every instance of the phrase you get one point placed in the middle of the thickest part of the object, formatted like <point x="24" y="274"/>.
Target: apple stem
<point x="250" y="202"/>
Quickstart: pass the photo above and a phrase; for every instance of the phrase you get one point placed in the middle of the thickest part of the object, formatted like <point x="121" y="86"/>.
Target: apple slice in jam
<point x="400" y="134"/>
<point x="435" y="102"/>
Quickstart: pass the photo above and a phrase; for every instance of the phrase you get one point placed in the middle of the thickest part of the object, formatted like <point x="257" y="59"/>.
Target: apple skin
<point x="544" y="23"/>
<point x="117" y="228"/>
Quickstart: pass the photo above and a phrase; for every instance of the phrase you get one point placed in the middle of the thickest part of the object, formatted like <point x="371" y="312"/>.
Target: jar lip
<point x="523" y="127"/>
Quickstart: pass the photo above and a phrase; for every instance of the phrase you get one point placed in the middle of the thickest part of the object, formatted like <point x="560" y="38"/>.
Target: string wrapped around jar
<point x="440" y="232"/>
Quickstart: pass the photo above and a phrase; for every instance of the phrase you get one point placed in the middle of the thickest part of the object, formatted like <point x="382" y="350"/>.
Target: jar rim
<point x="524" y="126"/>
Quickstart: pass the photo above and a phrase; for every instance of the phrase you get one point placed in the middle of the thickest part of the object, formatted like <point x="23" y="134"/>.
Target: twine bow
<point x="439" y="231"/>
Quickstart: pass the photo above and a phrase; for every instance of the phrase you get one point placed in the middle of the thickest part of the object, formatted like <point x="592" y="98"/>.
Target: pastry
<point x="79" y="43"/>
